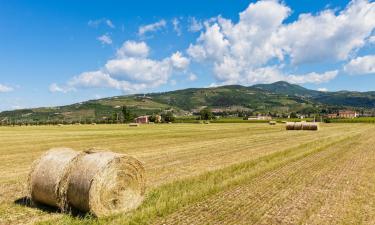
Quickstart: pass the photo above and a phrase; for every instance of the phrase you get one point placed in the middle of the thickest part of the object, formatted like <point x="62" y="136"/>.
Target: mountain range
<point x="278" y="98"/>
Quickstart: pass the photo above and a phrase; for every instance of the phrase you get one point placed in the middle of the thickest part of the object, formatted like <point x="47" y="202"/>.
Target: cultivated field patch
<point x="216" y="173"/>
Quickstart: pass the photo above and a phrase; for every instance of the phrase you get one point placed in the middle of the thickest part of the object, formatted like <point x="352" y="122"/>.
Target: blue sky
<point x="54" y="53"/>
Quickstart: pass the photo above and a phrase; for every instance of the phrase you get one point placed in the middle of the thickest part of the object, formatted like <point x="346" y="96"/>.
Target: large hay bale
<point x="290" y="125"/>
<point x="48" y="178"/>
<point x="105" y="182"/>
<point x="298" y="126"/>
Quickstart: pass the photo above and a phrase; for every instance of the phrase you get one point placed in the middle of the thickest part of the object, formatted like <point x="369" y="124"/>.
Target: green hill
<point x="277" y="98"/>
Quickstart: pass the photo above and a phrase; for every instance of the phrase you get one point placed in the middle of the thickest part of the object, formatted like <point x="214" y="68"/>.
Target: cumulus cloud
<point x="98" y="22"/>
<point x="328" y="36"/>
<point x="105" y="39"/>
<point x="5" y="88"/>
<point x="151" y="27"/>
<point x="130" y="71"/>
<point x="323" y="89"/>
<point x="361" y="65"/>
<point x="133" y="49"/>
<point x="179" y="61"/>
<point x="242" y="51"/>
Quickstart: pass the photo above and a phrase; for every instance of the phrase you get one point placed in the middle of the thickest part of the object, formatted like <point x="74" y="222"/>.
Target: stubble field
<point x="212" y="173"/>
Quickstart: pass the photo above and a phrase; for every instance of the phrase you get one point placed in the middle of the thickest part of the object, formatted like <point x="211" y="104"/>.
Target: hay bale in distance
<point x="48" y="178"/>
<point x="290" y="125"/>
<point x="302" y="126"/>
<point x="310" y="126"/>
<point x="105" y="182"/>
<point x="133" y="124"/>
<point x="272" y="122"/>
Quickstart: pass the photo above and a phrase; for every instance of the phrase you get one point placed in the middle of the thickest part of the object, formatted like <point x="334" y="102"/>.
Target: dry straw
<point x="48" y="179"/>
<point x="94" y="181"/>
<point x="105" y="182"/>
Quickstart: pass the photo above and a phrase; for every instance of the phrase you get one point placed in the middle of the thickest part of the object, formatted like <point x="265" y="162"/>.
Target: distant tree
<point x="168" y="117"/>
<point x="293" y="115"/>
<point x="206" y="114"/>
<point x="152" y="118"/>
<point x="127" y="116"/>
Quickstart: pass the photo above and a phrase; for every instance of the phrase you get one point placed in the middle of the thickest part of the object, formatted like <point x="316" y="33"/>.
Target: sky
<point x="60" y="52"/>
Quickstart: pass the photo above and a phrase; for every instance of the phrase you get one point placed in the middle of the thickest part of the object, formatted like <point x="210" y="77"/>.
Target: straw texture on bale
<point x="105" y="182"/>
<point x="92" y="181"/>
<point x="48" y="178"/>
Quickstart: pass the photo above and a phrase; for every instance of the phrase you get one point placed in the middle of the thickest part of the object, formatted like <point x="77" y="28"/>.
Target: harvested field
<point x="216" y="174"/>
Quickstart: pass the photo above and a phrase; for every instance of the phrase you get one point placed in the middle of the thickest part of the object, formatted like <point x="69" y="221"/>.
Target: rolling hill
<point x="279" y="97"/>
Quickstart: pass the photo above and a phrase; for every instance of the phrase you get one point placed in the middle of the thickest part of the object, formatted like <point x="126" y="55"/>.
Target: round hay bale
<point x="290" y="125"/>
<point x="105" y="182"/>
<point x="272" y="122"/>
<point x="310" y="126"/>
<point x="298" y="126"/>
<point x="48" y="178"/>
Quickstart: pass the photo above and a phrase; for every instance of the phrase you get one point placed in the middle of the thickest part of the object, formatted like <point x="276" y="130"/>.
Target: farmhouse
<point x="141" y="119"/>
<point x="348" y="114"/>
<point x="332" y="115"/>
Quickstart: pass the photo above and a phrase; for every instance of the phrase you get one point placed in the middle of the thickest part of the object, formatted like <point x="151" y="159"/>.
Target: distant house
<point x="141" y="119"/>
<point x="348" y="114"/>
<point x="332" y="115"/>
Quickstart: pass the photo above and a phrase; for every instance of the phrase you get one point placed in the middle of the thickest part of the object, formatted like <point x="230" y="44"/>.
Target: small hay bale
<point x="310" y="126"/>
<point x="105" y="182"/>
<point x="272" y="122"/>
<point x="48" y="178"/>
<point x="207" y="122"/>
<point x="133" y="124"/>
<point x="302" y="126"/>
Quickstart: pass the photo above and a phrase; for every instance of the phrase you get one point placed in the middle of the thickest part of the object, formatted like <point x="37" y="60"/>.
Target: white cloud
<point x="5" y="88"/>
<point x="361" y="65"/>
<point x="133" y="49"/>
<point x="328" y="36"/>
<point x="243" y="51"/>
<point x="372" y="39"/>
<point x="195" y="25"/>
<point x="105" y="39"/>
<point x="130" y="71"/>
<point x="149" y="71"/>
<point x="98" y="22"/>
<point x="323" y="89"/>
<point x="151" y="27"/>
<point x="192" y="77"/>
<point x="179" y="61"/>
<point x="313" y="77"/>
<point x="57" y="88"/>
<point x="176" y="26"/>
